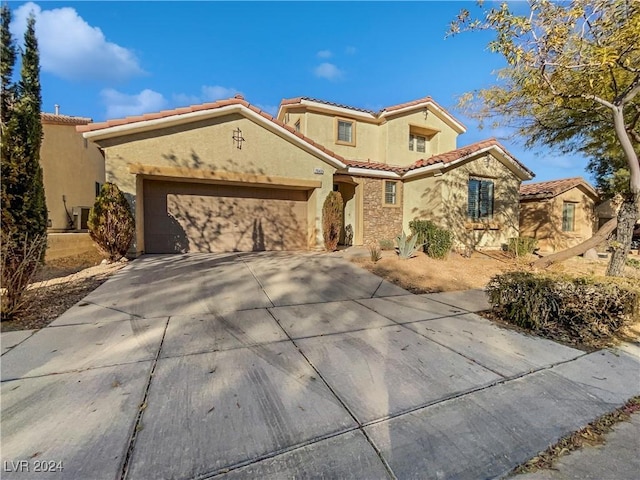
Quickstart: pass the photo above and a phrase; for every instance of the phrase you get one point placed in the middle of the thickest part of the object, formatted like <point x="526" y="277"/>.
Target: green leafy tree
<point x="571" y="82"/>
<point x="24" y="211"/>
<point x="111" y="224"/>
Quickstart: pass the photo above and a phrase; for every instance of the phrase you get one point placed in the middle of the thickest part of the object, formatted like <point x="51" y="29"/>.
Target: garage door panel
<point x="211" y="218"/>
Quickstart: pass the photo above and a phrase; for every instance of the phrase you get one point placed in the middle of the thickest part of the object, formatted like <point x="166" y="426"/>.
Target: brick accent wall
<point x="380" y="221"/>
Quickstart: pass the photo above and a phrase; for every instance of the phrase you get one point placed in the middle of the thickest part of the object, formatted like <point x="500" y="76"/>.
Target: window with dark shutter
<point x="480" y="199"/>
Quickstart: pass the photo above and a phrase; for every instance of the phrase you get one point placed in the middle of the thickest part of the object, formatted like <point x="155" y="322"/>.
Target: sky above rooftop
<point x="108" y="60"/>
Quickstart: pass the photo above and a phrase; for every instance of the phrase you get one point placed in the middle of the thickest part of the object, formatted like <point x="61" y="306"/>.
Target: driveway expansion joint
<point x="142" y="407"/>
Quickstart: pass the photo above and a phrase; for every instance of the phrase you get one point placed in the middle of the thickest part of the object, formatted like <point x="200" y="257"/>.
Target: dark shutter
<point x="486" y="199"/>
<point x="473" y="196"/>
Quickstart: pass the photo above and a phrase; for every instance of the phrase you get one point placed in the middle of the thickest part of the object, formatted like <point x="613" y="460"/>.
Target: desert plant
<point x="437" y="242"/>
<point x="520" y="246"/>
<point x="407" y="247"/>
<point x="633" y="263"/>
<point x="386" y="244"/>
<point x="21" y="259"/>
<point x="581" y="308"/>
<point x="374" y="253"/>
<point x="332" y="220"/>
<point x="111" y="225"/>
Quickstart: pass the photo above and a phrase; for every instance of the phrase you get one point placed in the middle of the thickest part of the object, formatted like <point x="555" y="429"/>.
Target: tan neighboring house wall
<point x="541" y="218"/>
<point x="71" y="167"/>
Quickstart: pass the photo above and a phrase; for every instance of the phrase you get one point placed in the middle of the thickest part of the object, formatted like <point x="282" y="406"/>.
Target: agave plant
<point x="407" y="247"/>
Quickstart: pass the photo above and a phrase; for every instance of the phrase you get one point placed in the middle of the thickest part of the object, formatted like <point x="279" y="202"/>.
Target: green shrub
<point x="520" y="246"/>
<point x="111" y="225"/>
<point x="633" y="263"/>
<point x="386" y="244"/>
<point x="332" y="220"/>
<point x="407" y="247"/>
<point x="437" y="242"/>
<point x="583" y="309"/>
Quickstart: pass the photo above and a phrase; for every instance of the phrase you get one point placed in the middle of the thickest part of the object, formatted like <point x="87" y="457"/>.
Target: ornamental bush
<point x="332" y="220"/>
<point x="111" y="225"/>
<point x="520" y="246"/>
<point x="437" y="242"/>
<point x="584" y="309"/>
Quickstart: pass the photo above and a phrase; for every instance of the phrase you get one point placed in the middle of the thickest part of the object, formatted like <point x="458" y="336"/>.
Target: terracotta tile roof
<point x="63" y="119"/>
<point x="376" y="166"/>
<point x="553" y="188"/>
<point x="458" y="153"/>
<point x="293" y="101"/>
<point x="237" y="100"/>
<point x="400" y="106"/>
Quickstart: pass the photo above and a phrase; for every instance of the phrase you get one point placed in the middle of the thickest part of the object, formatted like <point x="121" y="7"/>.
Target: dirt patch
<point x="61" y="284"/>
<point x="422" y="274"/>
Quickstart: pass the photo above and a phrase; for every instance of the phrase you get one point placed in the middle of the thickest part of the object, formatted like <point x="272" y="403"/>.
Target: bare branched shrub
<point x="111" y="225"/>
<point x="21" y="259"/>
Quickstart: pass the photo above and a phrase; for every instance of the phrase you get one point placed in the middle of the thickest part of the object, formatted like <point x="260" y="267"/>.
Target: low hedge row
<point x="586" y="309"/>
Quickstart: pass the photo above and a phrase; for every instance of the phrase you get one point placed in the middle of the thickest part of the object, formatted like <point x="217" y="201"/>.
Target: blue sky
<point x="112" y="59"/>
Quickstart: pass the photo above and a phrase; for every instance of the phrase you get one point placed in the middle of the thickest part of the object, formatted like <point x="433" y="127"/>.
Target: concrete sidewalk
<point x="279" y="365"/>
<point x="617" y="459"/>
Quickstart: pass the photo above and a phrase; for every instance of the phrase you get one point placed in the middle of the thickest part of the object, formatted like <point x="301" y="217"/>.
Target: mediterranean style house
<point x="72" y="170"/>
<point x="227" y="176"/>
<point x="559" y="213"/>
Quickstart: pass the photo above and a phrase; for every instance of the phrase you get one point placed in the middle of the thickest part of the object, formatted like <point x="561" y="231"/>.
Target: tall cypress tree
<point x="24" y="210"/>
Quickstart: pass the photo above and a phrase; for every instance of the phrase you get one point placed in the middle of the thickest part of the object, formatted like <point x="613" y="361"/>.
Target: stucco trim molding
<point x="367" y="172"/>
<point x="222" y="178"/>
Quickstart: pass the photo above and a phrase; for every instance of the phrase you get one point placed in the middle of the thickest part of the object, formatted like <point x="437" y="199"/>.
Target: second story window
<point x="297" y="126"/>
<point x="345" y="132"/>
<point x="417" y="143"/>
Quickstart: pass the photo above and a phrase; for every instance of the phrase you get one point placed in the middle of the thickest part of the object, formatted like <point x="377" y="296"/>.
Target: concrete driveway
<point x="280" y="365"/>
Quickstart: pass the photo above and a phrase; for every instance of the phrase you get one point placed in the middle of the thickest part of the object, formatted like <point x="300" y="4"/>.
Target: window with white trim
<point x="345" y="132"/>
<point x="390" y="192"/>
<point x="417" y="143"/>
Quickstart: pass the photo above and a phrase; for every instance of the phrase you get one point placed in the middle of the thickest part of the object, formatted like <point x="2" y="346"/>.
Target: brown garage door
<point x="194" y="217"/>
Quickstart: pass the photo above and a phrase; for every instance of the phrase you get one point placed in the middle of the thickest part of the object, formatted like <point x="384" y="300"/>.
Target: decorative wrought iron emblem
<point x="238" y="138"/>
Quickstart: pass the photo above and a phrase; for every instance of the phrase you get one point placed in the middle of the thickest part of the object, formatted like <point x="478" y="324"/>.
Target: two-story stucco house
<point x="227" y="176"/>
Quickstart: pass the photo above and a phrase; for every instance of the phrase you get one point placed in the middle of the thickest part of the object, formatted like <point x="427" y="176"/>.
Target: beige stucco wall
<point x="386" y="142"/>
<point x="444" y="200"/>
<point x="208" y="145"/>
<point x="422" y="200"/>
<point x="542" y="219"/>
<point x="396" y="149"/>
<point x="70" y="169"/>
<point x="61" y="245"/>
<point x="321" y="127"/>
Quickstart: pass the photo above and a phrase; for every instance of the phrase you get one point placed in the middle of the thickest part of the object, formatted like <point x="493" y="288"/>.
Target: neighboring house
<point x="72" y="169"/>
<point x="227" y="176"/>
<point x="559" y="213"/>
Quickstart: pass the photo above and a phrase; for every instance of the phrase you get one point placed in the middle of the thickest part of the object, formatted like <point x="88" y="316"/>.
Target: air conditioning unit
<point x="80" y="217"/>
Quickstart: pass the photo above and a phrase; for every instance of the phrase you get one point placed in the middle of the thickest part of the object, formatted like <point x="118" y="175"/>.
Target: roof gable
<point x="379" y="116"/>
<point x="52" y="118"/>
<point x="152" y="121"/>
<point x="553" y="188"/>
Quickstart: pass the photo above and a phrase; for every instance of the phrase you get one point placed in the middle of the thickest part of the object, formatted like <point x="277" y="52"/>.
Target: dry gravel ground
<point x="60" y="284"/>
<point x="422" y="274"/>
